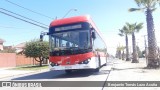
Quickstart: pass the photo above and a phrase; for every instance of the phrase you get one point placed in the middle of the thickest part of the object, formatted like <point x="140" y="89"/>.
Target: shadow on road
<point x="42" y="75"/>
<point x="118" y="69"/>
<point x="82" y="73"/>
<point x="138" y="69"/>
<point x="60" y="74"/>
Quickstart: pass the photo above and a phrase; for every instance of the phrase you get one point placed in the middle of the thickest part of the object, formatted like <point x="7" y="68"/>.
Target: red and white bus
<point x="76" y="43"/>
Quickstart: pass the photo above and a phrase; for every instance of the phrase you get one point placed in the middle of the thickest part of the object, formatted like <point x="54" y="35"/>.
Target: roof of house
<point x="1" y="40"/>
<point x="21" y="45"/>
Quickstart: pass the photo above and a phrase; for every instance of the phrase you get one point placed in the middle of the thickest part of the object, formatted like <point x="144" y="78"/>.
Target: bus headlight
<point x="85" y="61"/>
<point x="53" y="64"/>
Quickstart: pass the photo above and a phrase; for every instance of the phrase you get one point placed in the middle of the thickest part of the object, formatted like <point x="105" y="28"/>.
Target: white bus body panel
<point x="93" y="64"/>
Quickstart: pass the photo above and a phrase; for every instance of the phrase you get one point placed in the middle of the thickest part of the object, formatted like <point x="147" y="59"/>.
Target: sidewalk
<point x="7" y="72"/>
<point x="127" y="71"/>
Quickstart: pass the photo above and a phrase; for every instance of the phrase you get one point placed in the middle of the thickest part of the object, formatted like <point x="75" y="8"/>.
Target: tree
<point x="124" y="32"/>
<point x="149" y="6"/>
<point x="143" y="53"/>
<point x="134" y="28"/>
<point x="120" y="52"/>
<point x="140" y="55"/>
<point x="37" y="50"/>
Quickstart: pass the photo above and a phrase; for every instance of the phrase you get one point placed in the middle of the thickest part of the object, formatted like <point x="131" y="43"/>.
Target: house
<point x="20" y="48"/>
<point x="1" y="44"/>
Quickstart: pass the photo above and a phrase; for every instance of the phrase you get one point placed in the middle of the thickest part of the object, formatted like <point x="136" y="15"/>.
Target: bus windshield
<point x="71" y="40"/>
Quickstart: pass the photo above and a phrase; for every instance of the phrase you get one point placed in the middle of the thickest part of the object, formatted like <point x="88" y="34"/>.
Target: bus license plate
<point x="68" y="67"/>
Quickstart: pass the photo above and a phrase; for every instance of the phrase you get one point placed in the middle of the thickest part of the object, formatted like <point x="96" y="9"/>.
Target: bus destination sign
<point x="78" y="26"/>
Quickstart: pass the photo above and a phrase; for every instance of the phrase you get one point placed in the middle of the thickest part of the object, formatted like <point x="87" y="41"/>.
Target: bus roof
<point x="76" y="19"/>
<point x="70" y="20"/>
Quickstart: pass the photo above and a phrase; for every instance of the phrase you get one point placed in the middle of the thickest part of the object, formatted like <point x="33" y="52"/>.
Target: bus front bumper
<point x="76" y="66"/>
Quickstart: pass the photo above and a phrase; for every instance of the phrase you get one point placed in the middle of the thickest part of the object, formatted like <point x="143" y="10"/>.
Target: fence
<point x="7" y="59"/>
<point x="22" y="60"/>
<point x="12" y="60"/>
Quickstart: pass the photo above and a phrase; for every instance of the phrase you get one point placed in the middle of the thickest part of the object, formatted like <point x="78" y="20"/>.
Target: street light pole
<point x="69" y="12"/>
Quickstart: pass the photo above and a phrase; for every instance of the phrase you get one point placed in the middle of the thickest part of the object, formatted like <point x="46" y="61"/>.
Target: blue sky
<point x="109" y="16"/>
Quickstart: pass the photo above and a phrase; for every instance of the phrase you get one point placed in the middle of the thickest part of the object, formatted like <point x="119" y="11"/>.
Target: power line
<point x="23" y="16"/>
<point x="23" y="20"/>
<point x="29" y="10"/>
<point x="10" y="27"/>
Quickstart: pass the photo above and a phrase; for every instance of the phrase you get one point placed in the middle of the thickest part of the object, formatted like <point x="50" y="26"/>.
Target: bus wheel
<point x="68" y="71"/>
<point x="96" y="70"/>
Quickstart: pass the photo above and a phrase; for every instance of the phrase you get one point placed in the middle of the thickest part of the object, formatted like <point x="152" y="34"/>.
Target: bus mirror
<point x="41" y="37"/>
<point x="42" y="34"/>
<point x="93" y="35"/>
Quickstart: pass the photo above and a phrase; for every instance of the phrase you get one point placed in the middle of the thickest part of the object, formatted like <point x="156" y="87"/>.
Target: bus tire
<point x="68" y="71"/>
<point x="96" y="70"/>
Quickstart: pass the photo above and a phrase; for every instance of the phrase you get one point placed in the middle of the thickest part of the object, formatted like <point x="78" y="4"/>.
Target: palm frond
<point x="138" y="2"/>
<point x="121" y="31"/>
<point x="120" y="34"/>
<point x="135" y="9"/>
<point x="158" y="2"/>
<point x="153" y="9"/>
<point x="153" y="4"/>
<point x="138" y="27"/>
<point x="132" y="28"/>
<point x="126" y="29"/>
<point x="144" y="4"/>
<point x="127" y="23"/>
<point x="140" y="24"/>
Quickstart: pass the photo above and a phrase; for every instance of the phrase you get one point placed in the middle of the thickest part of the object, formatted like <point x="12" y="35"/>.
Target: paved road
<point x="81" y="75"/>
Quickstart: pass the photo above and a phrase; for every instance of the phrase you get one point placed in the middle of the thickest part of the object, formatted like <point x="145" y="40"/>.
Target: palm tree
<point x="120" y="52"/>
<point x="123" y="54"/>
<point x="134" y="28"/>
<point x="124" y="32"/>
<point x="149" y="6"/>
<point x="119" y="55"/>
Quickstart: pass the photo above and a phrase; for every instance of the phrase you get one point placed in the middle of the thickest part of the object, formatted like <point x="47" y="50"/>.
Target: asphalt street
<point x="81" y="75"/>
